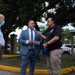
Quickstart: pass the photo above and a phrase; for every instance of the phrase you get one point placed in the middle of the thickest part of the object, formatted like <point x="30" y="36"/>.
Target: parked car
<point x="66" y="50"/>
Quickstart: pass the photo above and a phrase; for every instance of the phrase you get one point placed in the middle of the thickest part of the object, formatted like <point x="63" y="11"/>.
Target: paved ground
<point x="7" y="73"/>
<point x="72" y="73"/>
<point x="11" y="73"/>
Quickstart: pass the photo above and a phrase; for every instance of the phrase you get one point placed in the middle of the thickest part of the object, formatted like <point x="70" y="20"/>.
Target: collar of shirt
<point x="32" y="29"/>
<point x="29" y="30"/>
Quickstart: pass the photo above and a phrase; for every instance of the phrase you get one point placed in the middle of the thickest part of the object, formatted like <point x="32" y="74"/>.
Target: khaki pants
<point x="54" y="62"/>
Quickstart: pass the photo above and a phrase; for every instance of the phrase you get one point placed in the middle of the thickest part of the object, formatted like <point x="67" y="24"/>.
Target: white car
<point x="66" y="50"/>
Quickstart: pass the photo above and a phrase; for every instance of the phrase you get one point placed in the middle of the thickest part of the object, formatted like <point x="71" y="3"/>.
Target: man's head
<point x="2" y="17"/>
<point x="31" y="24"/>
<point x="51" y="21"/>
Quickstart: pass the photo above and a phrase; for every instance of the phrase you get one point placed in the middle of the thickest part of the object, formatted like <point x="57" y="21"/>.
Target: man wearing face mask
<point x="2" y="41"/>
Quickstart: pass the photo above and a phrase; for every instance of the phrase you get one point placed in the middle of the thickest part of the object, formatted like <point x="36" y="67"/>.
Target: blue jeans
<point x="30" y="56"/>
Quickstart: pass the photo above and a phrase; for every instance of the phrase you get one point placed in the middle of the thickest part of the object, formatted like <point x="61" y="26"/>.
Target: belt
<point x="56" y="49"/>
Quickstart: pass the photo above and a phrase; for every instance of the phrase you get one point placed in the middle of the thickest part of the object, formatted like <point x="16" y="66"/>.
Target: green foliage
<point x="66" y="36"/>
<point x="66" y="32"/>
<point x="18" y="12"/>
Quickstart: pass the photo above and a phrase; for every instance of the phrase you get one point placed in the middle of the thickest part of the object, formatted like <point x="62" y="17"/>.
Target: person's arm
<point x="58" y="34"/>
<point x="44" y="37"/>
<point x="0" y="46"/>
<point x="53" y="40"/>
<point x="38" y="42"/>
<point x="22" y="39"/>
<point x="2" y="41"/>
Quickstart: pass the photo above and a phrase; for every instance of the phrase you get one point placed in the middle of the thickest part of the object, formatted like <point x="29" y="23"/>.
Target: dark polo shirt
<point x="54" y="31"/>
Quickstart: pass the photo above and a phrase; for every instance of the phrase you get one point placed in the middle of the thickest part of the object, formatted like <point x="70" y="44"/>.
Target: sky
<point x="18" y="31"/>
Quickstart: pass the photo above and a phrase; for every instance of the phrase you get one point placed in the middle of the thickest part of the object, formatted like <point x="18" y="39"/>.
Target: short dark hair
<point x="53" y="19"/>
<point x="30" y="20"/>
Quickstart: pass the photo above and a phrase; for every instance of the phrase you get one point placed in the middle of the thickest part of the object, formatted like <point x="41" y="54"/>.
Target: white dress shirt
<point x="29" y="30"/>
<point x="2" y="41"/>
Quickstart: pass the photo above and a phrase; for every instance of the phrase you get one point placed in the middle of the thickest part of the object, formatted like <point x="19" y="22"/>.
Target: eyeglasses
<point x="32" y="23"/>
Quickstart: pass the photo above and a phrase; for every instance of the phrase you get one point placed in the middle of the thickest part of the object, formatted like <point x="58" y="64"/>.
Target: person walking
<point x="53" y="43"/>
<point x="30" y="41"/>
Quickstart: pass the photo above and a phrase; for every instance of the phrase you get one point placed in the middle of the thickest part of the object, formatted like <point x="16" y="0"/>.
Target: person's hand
<point x="38" y="32"/>
<point x="35" y="42"/>
<point x="30" y="41"/>
<point x="0" y="46"/>
<point x="45" y="45"/>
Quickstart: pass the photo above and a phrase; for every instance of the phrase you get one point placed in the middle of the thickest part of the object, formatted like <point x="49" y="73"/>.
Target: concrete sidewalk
<point x="8" y="73"/>
<point x="12" y="73"/>
<point x="72" y="73"/>
<point x="8" y="70"/>
<point x="37" y="71"/>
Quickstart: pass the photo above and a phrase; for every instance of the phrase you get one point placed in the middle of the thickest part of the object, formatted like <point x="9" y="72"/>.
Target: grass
<point x="67" y="61"/>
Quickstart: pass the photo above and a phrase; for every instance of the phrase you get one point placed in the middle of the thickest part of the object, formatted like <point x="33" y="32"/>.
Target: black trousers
<point x="1" y="53"/>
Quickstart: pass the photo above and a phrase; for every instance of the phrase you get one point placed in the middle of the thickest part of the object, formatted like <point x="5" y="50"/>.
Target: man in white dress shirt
<point x="30" y="41"/>
<point x="2" y="41"/>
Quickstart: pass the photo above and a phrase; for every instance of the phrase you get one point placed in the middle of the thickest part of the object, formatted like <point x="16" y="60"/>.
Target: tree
<point x="66" y="34"/>
<point x="18" y="12"/>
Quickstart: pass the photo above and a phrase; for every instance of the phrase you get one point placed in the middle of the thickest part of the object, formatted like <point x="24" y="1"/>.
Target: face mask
<point x="2" y="23"/>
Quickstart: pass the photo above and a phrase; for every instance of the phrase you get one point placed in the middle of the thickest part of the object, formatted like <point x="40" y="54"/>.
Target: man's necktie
<point x="31" y="45"/>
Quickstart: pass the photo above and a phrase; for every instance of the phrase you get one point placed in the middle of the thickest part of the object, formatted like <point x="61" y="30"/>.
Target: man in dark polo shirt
<point x="53" y="42"/>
